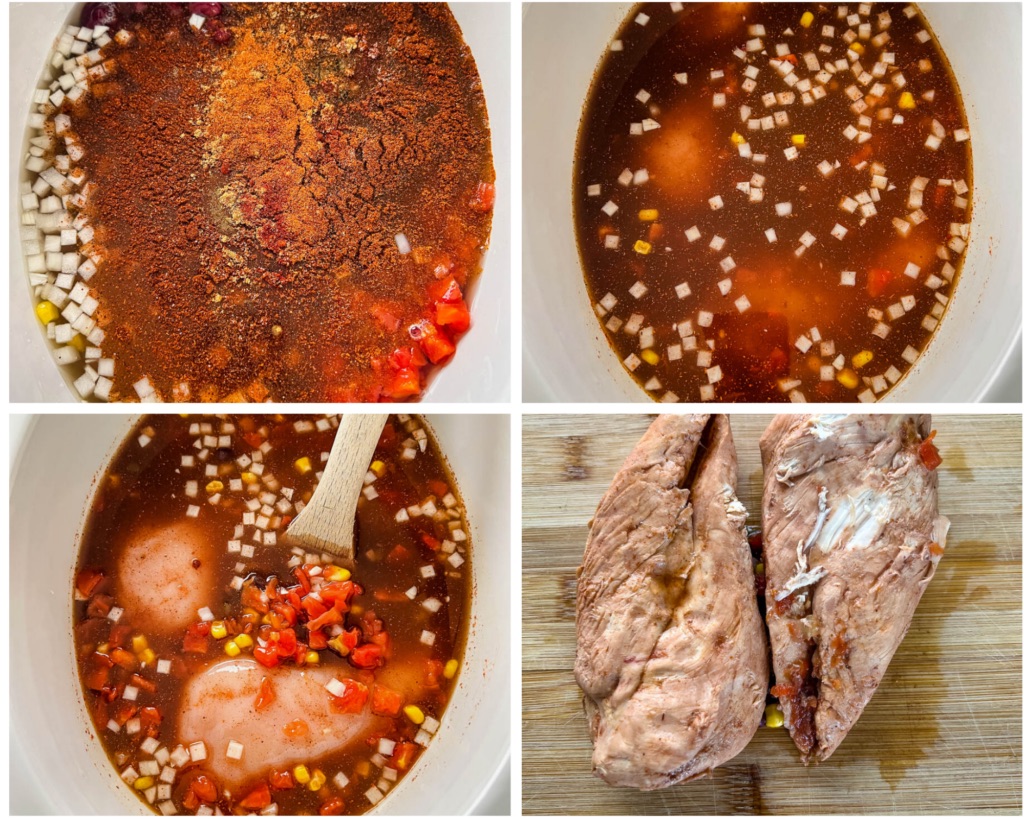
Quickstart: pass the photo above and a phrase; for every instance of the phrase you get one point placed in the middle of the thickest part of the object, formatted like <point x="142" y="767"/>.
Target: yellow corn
<point x="338" y="573"/>
<point x="450" y="668"/>
<point x="650" y="357"/>
<point x="219" y="630"/>
<point x="249" y="477"/>
<point x="304" y="466"/>
<point x="799" y="139"/>
<point x="46" y="311"/>
<point x="317" y="781"/>
<point x="143" y="782"/>
<point x="649" y="215"/>
<point x="337" y="645"/>
<point x="642" y="247"/>
<point x="907" y="101"/>
<point x="148" y="657"/>
<point x="759" y="568"/>
<point x="231" y="648"/>
<point x="139" y="643"/>
<point x="414" y="714"/>
<point x="363" y="768"/>
<point x="773" y="716"/>
<point x="312" y="658"/>
<point x="848" y="378"/>
<point x="806" y="19"/>
<point x="301" y="774"/>
<point x="214" y="486"/>
<point x="857" y="47"/>
<point x="862" y="358"/>
<point x="243" y="641"/>
<point x="78" y="342"/>
<point x="737" y="138"/>
<point x="377" y="468"/>
<point x="357" y="611"/>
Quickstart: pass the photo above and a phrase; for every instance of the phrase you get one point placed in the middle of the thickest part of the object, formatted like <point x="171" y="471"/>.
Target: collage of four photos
<point x="270" y="593"/>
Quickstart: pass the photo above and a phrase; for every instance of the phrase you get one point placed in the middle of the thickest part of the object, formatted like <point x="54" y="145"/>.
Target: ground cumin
<point x="246" y="198"/>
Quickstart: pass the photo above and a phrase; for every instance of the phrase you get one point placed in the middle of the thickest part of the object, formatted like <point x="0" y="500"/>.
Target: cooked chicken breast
<point x="852" y="535"/>
<point x="671" y="652"/>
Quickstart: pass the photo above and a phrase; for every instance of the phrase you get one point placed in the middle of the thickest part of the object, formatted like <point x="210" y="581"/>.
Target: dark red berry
<point x="222" y="36"/>
<point x="205" y="9"/>
<point x="99" y="14"/>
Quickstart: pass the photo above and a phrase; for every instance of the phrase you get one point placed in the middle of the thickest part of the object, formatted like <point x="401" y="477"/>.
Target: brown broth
<point x="785" y="328"/>
<point x="145" y="486"/>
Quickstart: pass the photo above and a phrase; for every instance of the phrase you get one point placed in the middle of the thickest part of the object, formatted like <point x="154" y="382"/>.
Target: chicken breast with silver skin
<point x="852" y="536"/>
<point x="670" y="648"/>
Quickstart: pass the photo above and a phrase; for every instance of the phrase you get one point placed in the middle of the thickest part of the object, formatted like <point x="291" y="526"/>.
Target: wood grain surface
<point x="942" y="733"/>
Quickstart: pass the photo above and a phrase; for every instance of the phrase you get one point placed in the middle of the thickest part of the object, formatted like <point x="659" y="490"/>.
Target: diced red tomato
<point x="404" y="383"/>
<point x="317" y="640"/>
<point x="265" y="696"/>
<point x="399" y="554"/>
<point x="482" y="200"/>
<point x="141" y="682"/>
<point x="331" y="617"/>
<point x="403" y="755"/>
<point x="352" y="699"/>
<point x="434" y="673"/>
<point x="123" y="658"/>
<point x="252" y="598"/>
<point x="929" y="454"/>
<point x="87" y="581"/>
<point x="435" y="344"/>
<point x="204" y="789"/>
<point x="368" y="655"/>
<point x="386" y="703"/>
<point x="197" y="638"/>
<point x="878" y="281"/>
<point x="123" y="711"/>
<point x="335" y="806"/>
<point x="266" y="656"/>
<point x="453" y="316"/>
<point x="313" y="607"/>
<point x="118" y="635"/>
<point x="430" y="541"/>
<point x="253" y="439"/>
<point x="97" y="671"/>
<point x="281" y="780"/>
<point x="385" y="317"/>
<point x="296" y="729"/>
<point x="258" y="798"/>
<point x="99" y="606"/>
<point x="151" y="719"/>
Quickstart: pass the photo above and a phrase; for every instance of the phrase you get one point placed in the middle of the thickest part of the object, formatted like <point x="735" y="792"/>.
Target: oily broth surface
<point x="691" y="158"/>
<point x="143" y="487"/>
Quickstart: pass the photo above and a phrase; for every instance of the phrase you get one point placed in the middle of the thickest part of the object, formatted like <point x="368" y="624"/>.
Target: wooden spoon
<point x="327" y="523"/>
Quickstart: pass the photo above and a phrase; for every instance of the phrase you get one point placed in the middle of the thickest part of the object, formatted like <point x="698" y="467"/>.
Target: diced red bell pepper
<point x="123" y="711"/>
<point x="141" y="682"/>
<point x="87" y="581"/>
<point x="430" y="541"/>
<point x="335" y="806"/>
<point x="265" y="696"/>
<point x="929" y="454"/>
<point x="482" y="200"/>
<point x="437" y="488"/>
<point x="100" y="606"/>
<point x="258" y="798"/>
<point x="455" y="317"/>
<point x="368" y="655"/>
<point x="118" y="635"/>
<point x="281" y="780"/>
<point x="197" y="638"/>
<point x="352" y="699"/>
<point x="124" y="658"/>
<point x="386" y="703"/>
<point x="97" y="671"/>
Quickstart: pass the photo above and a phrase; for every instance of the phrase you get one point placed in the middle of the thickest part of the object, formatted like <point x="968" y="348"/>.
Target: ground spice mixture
<point x="288" y="202"/>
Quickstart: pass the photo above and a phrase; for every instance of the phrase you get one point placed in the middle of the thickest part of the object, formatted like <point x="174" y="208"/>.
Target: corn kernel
<point x="339" y="646"/>
<point x="249" y="477"/>
<point x="857" y="47"/>
<point x="737" y="138"/>
<point x="773" y="716"/>
<point x="377" y="468"/>
<point x="363" y="768"/>
<point x="139" y="643"/>
<point x="450" y="668"/>
<point x="303" y="466"/>
<point x="243" y="641"/>
<point x="650" y="357"/>
<point x="848" y="378"/>
<point x="231" y="648"/>
<point x="78" y="342"/>
<point x="218" y="630"/>
<point x="357" y="611"/>
<point x="414" y="714"/>
<point x="148" y="657"/>
<point x="317" y="781"/>
<point x="806" y="19"/>
<point x="46" y="311"/>
<point x="301" y="774"/>
<point x="906" y="101"/>
<point x="143" y="782"/>
<point x="338" y="573"/>
<point x="759" y="568"/>
<point x="642" y="247"/>
<point x="799" y="139"/>
<point x="312" y="658"/>
<point x="214" y="486"/>
<point x="862" y="358"/>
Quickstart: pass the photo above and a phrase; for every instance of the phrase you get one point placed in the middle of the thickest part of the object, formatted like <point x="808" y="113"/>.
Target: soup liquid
<point x="722" y="256"/>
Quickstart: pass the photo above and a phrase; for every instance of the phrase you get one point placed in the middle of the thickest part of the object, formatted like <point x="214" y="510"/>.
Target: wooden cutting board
<point x="942" y="733"/>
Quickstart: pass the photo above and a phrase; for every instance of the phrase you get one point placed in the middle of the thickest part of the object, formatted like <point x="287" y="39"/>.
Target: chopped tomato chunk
<point x="878" y="281"/>
<point x="335" y="806"/>
<point x="87" y="581"/>
<point x="265" y="696"/>
<point x="386" y="703"/>
<point x="435" y="344"/>
<point x="482" y="200"/>
<point x="929" y="454"/>
<point x="353" y="698"/>
<point x="296" y="729"/>
<point x="281" y="780"/>
<point x="258" y="798"/>
<point x="367" y="655"/>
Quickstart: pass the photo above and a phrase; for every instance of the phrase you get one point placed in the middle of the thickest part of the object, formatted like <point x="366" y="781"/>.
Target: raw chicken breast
<point x="157" y="580"/>
<point x="218" y="706"/>
<point x="670" y="649"/>
<point x="852" y="536"/>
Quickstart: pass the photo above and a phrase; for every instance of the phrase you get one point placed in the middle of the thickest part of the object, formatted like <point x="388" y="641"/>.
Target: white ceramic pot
<point x="57" y="768"/>
<point x="976" y="353"/>
<point x="481" y="369"/>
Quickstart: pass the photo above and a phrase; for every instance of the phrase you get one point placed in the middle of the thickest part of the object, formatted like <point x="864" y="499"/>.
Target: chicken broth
<point x="772" y="201"/>
<point x="227" y="671"/>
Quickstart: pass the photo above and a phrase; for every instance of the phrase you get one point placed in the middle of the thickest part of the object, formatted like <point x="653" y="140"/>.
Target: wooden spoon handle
<point x="328" y="521"/>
